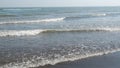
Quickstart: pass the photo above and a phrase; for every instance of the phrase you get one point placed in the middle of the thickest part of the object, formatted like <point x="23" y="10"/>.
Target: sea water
<point x="32" y="37"/>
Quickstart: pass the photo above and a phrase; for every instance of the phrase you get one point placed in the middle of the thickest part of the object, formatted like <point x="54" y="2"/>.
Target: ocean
<point x="39" y="36"/>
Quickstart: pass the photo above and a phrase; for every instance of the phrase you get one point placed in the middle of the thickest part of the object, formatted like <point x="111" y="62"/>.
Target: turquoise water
<point x="31" y="37"/>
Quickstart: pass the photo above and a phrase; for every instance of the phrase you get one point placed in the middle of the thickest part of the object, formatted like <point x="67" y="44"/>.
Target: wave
<point x="19" y="9"/>
<point x="113" y="13"/>
<point x="11" y="9"/>
<point x="4" y="33"/>
<point x="102" y="14"/>
<point x="19" y="33"/>
<point x="34" y="21"/>
<point x="7" y="15"/>
<point x="91" y="15"/>
<point x="94" y="15"/>
<point x="29" y="64"/>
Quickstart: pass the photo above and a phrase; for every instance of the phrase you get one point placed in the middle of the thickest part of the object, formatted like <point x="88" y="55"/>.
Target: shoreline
<point x="111" y="60"/>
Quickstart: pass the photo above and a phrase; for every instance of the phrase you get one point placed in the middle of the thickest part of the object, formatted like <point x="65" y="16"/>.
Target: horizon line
<point x="54" y="6"/>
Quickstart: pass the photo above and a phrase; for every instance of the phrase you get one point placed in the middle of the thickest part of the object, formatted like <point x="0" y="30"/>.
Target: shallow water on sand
<point x="104" y="61"/>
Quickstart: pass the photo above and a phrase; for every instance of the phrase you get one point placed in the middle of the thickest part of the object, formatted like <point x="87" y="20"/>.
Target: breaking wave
<point x="4" y="33"/>
<point x="19" y="33"/>
<point x="72" y="57"/>
<point x="102" y="14"/>
<point x="92" y="15"/>
<point x="34" y="21"/>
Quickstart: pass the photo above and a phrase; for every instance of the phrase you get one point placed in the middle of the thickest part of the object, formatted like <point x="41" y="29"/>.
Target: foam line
<point x="4" y="33"/>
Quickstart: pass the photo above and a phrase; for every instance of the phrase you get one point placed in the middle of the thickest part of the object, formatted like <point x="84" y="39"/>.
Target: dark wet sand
<point x="104" y="61"/>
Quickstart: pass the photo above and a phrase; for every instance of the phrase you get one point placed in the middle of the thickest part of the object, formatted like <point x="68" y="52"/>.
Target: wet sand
<point x="104" y="61"/>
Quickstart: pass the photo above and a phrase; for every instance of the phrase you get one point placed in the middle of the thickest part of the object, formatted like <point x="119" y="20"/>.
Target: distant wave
<point x="19" y="9"/>
<point x="113" y="13"/>
<point x="94" y="15"/>
<point x="34" y="21"/>
<point x="7" y="15"/>
<point x="90" y="15"/>
<point x="11" y="9"/>
<point x="4" y="33"/>
<point x="99" y="14"/>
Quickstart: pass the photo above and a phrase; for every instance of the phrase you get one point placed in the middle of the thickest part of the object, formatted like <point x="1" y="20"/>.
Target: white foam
<point x="4" y="33"/>
<point x="34" y="21"/>
<point x="85" y="29"/>
<point x="19" y="32"/>
<point x="109" y="29"/>
<point x="99" y="14"/>
<point x="55" y="61"/>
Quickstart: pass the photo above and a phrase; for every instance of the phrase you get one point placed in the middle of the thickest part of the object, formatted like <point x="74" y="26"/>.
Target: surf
<point x="5" y="33"/>
<point x="65" y="58"/>
<point x="33" y="21"/>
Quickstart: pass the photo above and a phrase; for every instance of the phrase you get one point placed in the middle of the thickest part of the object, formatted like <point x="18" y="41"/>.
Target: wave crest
<point x="102" y="14"/>
<point x="34" y="21"/>
<point x="4" y="33"/>
<point x="93" y="15"/>
<point x="19" y="33"/>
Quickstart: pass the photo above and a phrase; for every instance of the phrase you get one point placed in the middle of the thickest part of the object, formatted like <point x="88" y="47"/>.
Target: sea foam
<point x="33" y="21"/>
<point x="61" y="59"/>
<point x="19" y="32"/>
<point x="99" y="14"/>
<point x="4" y="33"/>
